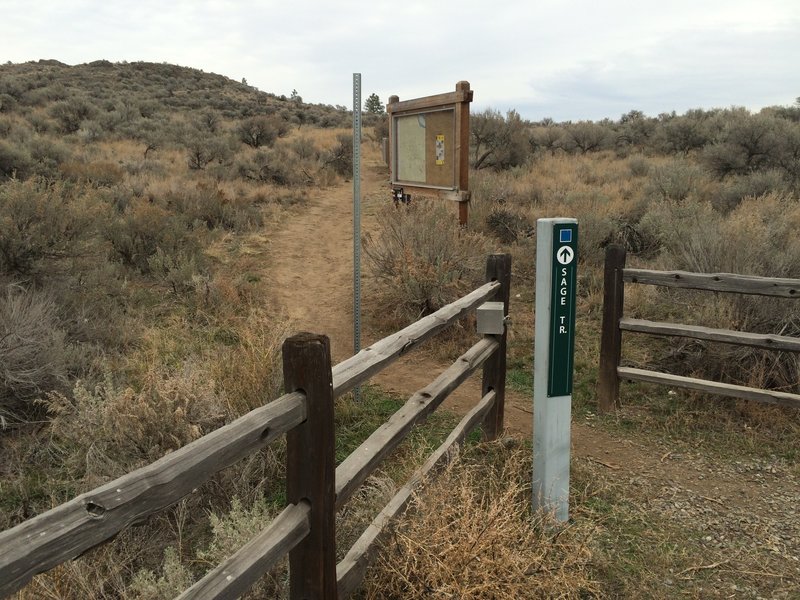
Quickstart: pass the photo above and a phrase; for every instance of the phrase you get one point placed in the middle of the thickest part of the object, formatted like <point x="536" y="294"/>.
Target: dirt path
<point x="311" y="264"/>
<point x="743" y="507"/>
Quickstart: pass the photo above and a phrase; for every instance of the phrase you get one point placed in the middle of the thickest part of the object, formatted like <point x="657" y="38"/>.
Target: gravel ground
<point x="741" y="517"/>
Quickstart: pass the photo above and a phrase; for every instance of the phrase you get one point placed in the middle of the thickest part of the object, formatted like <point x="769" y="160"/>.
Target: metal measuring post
<point x="554" y="351"/>
<point x="357" y="220"/>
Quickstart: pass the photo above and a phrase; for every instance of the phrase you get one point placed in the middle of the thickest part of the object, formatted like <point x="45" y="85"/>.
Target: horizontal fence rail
<point x="614" y="323"/>
<point x="716" y="282"/>
<point x="315" y="490"/>
<point x="766" y="341"/>
<point x="711" y="387"/>
<point x="350" y="571"/>
<point x="372" y="360"/>
<point x="71" y="529"/>
<point x="235" y="575"/>
<point x="355" y="469"/>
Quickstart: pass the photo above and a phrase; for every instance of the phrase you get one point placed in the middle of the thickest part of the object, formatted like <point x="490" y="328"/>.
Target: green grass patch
<point x="355" y="422"/>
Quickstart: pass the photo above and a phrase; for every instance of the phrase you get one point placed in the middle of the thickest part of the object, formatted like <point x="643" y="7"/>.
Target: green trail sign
<point x="562" y="316"/>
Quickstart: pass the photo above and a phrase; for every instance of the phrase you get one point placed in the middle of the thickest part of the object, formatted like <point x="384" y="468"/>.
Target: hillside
<point x="164" y="229"/>
<point x="146" y="91"/>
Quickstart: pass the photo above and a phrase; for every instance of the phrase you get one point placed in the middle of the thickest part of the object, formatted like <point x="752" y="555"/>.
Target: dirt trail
<point x="311" y="266"/>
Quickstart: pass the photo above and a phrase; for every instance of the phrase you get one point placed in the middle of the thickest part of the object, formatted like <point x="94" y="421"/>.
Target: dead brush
<point x="471" y="534"/>
<point x="421" y="260"/>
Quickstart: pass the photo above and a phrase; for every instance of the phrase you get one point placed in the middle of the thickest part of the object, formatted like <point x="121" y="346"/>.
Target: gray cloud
<point x="567" y="59"/>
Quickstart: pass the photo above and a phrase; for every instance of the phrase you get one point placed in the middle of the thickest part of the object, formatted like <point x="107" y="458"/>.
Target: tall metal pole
<point x="357" y="219"/>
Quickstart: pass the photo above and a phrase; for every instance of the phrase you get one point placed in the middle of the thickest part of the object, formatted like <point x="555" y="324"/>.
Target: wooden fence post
<point x="611" y="335"/>
<point x="498" y="268"/>
<point x="310" y="466"/>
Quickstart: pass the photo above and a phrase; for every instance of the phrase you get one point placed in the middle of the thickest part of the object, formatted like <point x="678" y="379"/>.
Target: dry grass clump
<point x="249" y="372"/>
<point x="130" y="427"/>
<point x="471" y="535"/>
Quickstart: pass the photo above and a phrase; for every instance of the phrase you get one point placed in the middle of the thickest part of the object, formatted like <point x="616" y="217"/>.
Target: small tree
<point x="373" y="105"/>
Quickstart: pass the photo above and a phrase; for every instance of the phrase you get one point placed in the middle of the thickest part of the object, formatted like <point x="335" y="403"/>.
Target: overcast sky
<point x="564" y="59"/>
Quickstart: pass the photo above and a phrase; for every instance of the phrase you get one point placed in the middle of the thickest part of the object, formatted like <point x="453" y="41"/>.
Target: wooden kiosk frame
<point x="429" y="147"/>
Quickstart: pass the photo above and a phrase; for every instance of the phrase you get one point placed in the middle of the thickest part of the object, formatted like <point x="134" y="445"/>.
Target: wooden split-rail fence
<point x="616" y="275"/>
<point x="315" y="487"/>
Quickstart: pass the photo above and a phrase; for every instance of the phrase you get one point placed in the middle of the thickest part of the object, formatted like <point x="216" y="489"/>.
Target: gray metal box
<point x="491" y="320"/>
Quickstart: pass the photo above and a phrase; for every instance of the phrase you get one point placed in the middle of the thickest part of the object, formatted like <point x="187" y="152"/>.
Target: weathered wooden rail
<point x="614" y="323"/>
<point x="305" y="530"/>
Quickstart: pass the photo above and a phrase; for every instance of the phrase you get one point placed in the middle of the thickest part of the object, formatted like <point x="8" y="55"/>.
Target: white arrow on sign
<point x="565" y="255"/>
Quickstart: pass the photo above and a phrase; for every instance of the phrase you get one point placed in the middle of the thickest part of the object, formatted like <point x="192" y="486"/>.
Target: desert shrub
<point x="421" y="260"/>
<point x="304" y="148"/>
<point x="70" y="114"/>
<point x="725" y="159"/>
<point x="498" y="142"/>
<point x="755" y="184"/>
<point x="47" y="155"/>
<point x="330" y="119"/>
<point x="97" y="174"/>
<point x="179" y="270"/>
<point x="103" y="572"/>
<point x="15" y="162"/>
<point x="635" y="129"/>
<point x="6" y="125"/>
<point x="509" y="226"/>
<point x="596" y="232"/>
<point x="229" y="532"/>
<point x="206" y="203"/>
<point x="204" y="148"/>
<point x="493" y="189"/>
<point x="757" y="238"/>
<point x="668" y="224"/>
<point x="33" y="348"/>
<point x="274" y="166"/>
<point x="638" y="166"/>
<point x="471" y="534"/>
<point x="208" y="121"/>
<point x="7" y="103"/>
<point x="682" y="134"/>
<point x="136" y="235"/>
<point x="40" y="123"/>
<point x="746" y="143"/>
<point x="380" y="129"/>
<point x="261" y="131"/>
<point x="586" y="136"/>
<point x="786" y="153"/>
<point x="38" y="222"/>
<point x="175" y="577"/>
<point x="675" y="180"/>
<point x="549" y="138"/>
<point x="340" y="156"/>
<point x="131" y="427"/>
<point x="233" y="530"/>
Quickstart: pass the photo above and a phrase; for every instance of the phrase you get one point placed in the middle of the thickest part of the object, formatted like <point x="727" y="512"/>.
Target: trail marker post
<point x="554" y="350"/>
